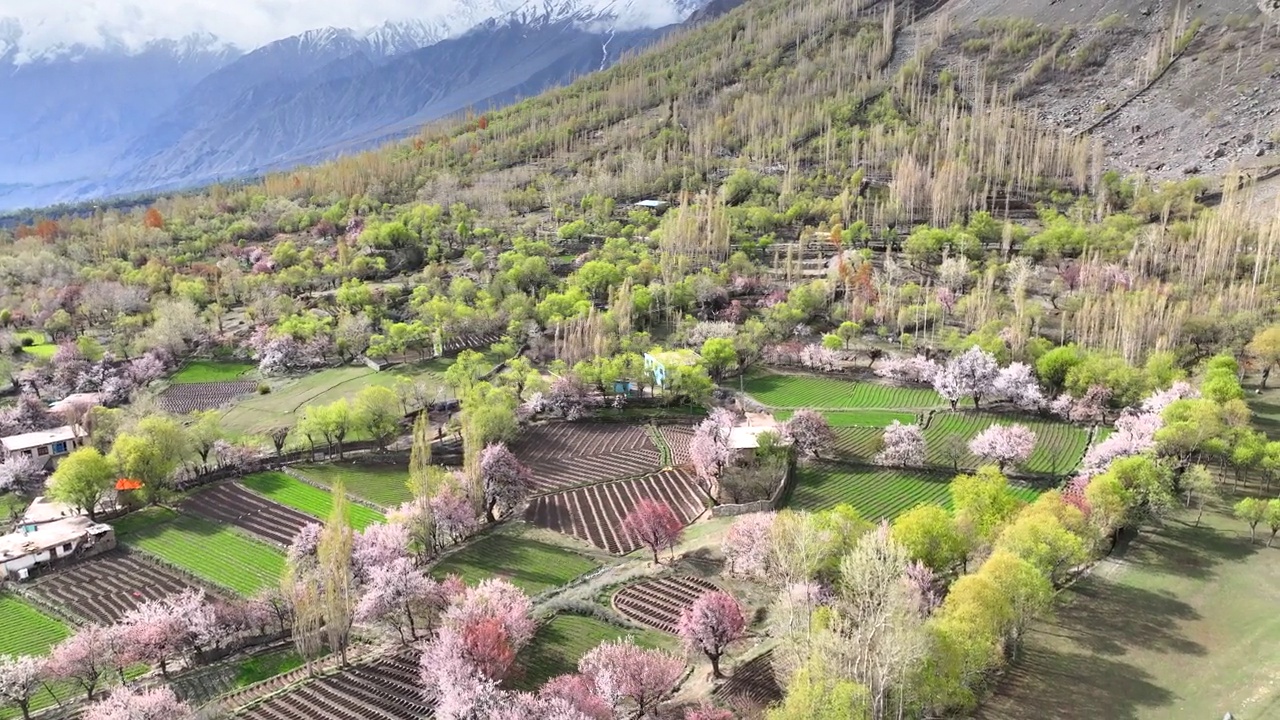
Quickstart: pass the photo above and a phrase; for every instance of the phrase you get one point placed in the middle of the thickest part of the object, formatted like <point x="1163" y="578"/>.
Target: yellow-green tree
<point x="82" y="479"/>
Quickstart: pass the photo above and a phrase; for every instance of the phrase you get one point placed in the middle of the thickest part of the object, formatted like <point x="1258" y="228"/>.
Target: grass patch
<point x="26" y="630"/>
<point x="531" y="565"/>
<point x="262" y="667"/>
<point x="305" y="498"/>
<point x="210" y="551"/>
<point x="869" y="418"/>
<point x="376" y="482"/>
<point x="802" y="391"/>
<point x="44" y="352"/>
<point x="1180" y="624"/>
<point x="205" y="371"/>
<point x="12" y="505"/>
<point x="562" y="641"/>
<point x="875" y="492"/>
<point x="257" y="414"/>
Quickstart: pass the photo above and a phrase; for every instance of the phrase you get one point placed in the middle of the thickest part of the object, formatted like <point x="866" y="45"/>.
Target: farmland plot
<point x="751" y="687"/>
<point x="803" y="391"/>
<point x="304" y="498"/>
<point x="387" y="689"/>
<point x="26" y="630"/>
<point x="105" y="588"/>
<point x="183" y="398"/>
<point x="208" y="550"/>
<point x="677" y="438"/>
<point x="563" y="640"/>
<point x="234" y="504"/>
<point x="659" y="603"/>
<point x="563" y="455"/>
<point x="594" y="513"/>
<point x="865" y="418"/>
<point x="875" y="493"/>
<point x="382" y="483"/>
<point x="858" y="442"/>
<point x="530" y="565"/>
<point x="1059" y="446"/>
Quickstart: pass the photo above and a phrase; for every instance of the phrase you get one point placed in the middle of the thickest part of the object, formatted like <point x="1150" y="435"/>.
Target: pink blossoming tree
<point x="810" y="433"/>
<point x="129" y="704"/>
<point x="1004" y="444"/>
<point x="713" y="622"/>
<point x="904" y="446"/>
<point x="654" y="525"/>
<point x="506" y="480"/>
<point x="749" y="543"/>
<point x="971" y="373"/>
<point x="632" y="679"/>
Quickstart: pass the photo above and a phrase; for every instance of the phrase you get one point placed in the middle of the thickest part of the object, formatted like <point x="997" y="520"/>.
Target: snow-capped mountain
<point x="101" y="121"/>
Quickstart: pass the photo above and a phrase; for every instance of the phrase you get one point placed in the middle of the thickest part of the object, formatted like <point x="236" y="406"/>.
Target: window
<point x="59" y="447"/>
<point x="66" y="548"/>
<point x="42" y="450"/>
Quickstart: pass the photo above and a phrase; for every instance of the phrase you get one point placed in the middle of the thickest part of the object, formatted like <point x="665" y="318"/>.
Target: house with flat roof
<point x="660" y="363"/>
<point x="47" y="444"/>
<point x="51" y="532"/>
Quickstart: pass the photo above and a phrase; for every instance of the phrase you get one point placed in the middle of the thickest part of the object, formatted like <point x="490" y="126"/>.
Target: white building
<point x="51" y="531"/>
<point x="47" y="444"/>
<point x="744" y="437"/>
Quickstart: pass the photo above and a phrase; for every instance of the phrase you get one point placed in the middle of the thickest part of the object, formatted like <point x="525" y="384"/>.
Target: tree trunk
<point x="413" y="629"/>
<point x="1273" y="537"/>
<point x="656" y="561"/>
<point x="715" y="665"/>
<point x="488" y="511"/>
<point x="25" y="706"/>
<point x="1199" y="514"/>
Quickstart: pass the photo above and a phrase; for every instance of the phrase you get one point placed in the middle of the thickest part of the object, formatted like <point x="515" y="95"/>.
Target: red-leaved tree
<point x="654" y="525"/>
<point x="711" y="624"/>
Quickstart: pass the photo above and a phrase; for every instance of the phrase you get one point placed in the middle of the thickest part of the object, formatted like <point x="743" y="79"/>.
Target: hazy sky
<point x="246" y="23"/>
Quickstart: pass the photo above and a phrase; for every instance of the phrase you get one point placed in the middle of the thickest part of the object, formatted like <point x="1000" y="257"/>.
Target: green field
<point x="205" y="371"/>
<point x="874" y="492"/>
<point x="802" y="391"/>
<point x="207" y="550"/>
<point x="531" y="565"/>
<point x="305" y="498"/>
<point x="279" y="408"/>
<point x="868" y="418"/>
<point x="860" y="443"/>
<point x="562" y="641"/>
<point x="25" y="630"/>
<point x="1180" y="623"/>
<point x="1059" y="446"/>
<point x="379" y="483"/>
<point x="44" y="352"/>
<point x="12" y="505"/>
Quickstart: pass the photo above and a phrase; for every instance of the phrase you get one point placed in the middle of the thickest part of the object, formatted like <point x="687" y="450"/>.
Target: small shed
<point x="660" y="364"/>
<point x="657" y="207"/>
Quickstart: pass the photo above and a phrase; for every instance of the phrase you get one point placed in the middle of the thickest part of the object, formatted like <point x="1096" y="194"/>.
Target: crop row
<point x="858" y="442"/>
<point x="875" y="493"/>
<point x="25" y="630"/>
<point x="1059" y="446"/>
<point x="104" y="588"/>
<point x="562" y="641"/>
<point x="798" y="391"/>
<point x="531" y="565"/>
<point x="303" y="497"/>
<point x="210" y="551"/>
<point x="384" y="484"/>
<point x="863" y="418"/>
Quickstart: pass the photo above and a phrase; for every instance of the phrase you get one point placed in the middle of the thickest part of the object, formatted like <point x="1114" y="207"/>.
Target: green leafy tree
<point x="848" y="332"/>
<point x="378" y="413"/>
<point x="817" y="692"/>
<point x="1273" y="519"/>
<point x="82" y="479"/>
<point x="985" y="500"/>
<point x="204" y="433"/>
<point x="719" y="356"/>
<point x="465" y="371"/>
<point x="930" y="536"/>
<point x="1200" y="487"/>
<point x="1252" y="511"/>
<point x="1264" y="348"/>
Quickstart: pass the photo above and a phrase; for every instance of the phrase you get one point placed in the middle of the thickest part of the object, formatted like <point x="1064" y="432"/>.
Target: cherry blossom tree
<point x="302" y="551"/>
<point x="971" y="373"/>
<point x="125" y="703"/>
<point x="20" y="678"/>
<point x="1017" y="383"/>
<point x="578" y="692"/>
<point x="1157" y="401"/>
<point x="1004" y="444"/>
<point x="378" y="545"/>
<point x="506" y="480"/>
<point x="654" y="525"/>
<point x="810" y="433"/>
<point x="709" y="448"/>
<point x="817" y="357"/>
<point x="749" y="544"/>
<point x="713" y="622"/>
<point x="1061" y="406"/>
<point x="454" y="514"/>
<point x="922" y="584"/>
<point x="82" y="659"/>
<point x="18" y="470"/>
<point x="707" y="711"/>
<point x="918" y="369"/>
<point x="622" y="671"/>
<point x="569" y="397"/>
<point x="152" y="634"/>
<point x="1092" y="406"/>
<point x="400" y="597"/>
<point x="1135" y="434"/>
<point x="904" y="446"/>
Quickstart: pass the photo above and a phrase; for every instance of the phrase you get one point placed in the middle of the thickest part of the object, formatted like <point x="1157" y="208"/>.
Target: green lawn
<point x="12" y="505"/>
<point x="1058" y="450"/>
<point x="562" y="641"/>
<point x="44" y="352"/>
<point x="529" y="564"/>
<point x="305" y="498"/>
<point x="207" y="550"/>
<point x="257" y="414"/>
<point x="205" y="371"/>
<point x="379" y="483"/>
<point x="1180" y="624"/>
<point x="874" y="492"/>
<point x="859" y="418"/>
<point x="24" y="630"/>
<point x="803" y="391"/>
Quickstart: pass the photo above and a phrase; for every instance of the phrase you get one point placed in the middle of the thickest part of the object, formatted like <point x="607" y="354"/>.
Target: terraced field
<point x="183" y="398"/>
<point x="530" y="565"/>
<point x="659" y="603"/>
<point x="208" y="550"/>
<point x="594" y="513"/>
<point x="804" y="391"/>
<point x="562" y="641"/>
<point x="387" y="689"/>
<point x="677" y="438"/>
<point x="313" y="501"/>
<point x="104" y="588"/>
<point x="1059" y="446"/>
<point x="564" y="455"/>
<point x="234" y="504"/>
<point x="379" y="483"/>
<point x="866" y="418"/>
<point x="25" y="630"/>
<point x="874" y="492"/>
<point x="751" y="687"/>
<point x="861" y="443"/>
